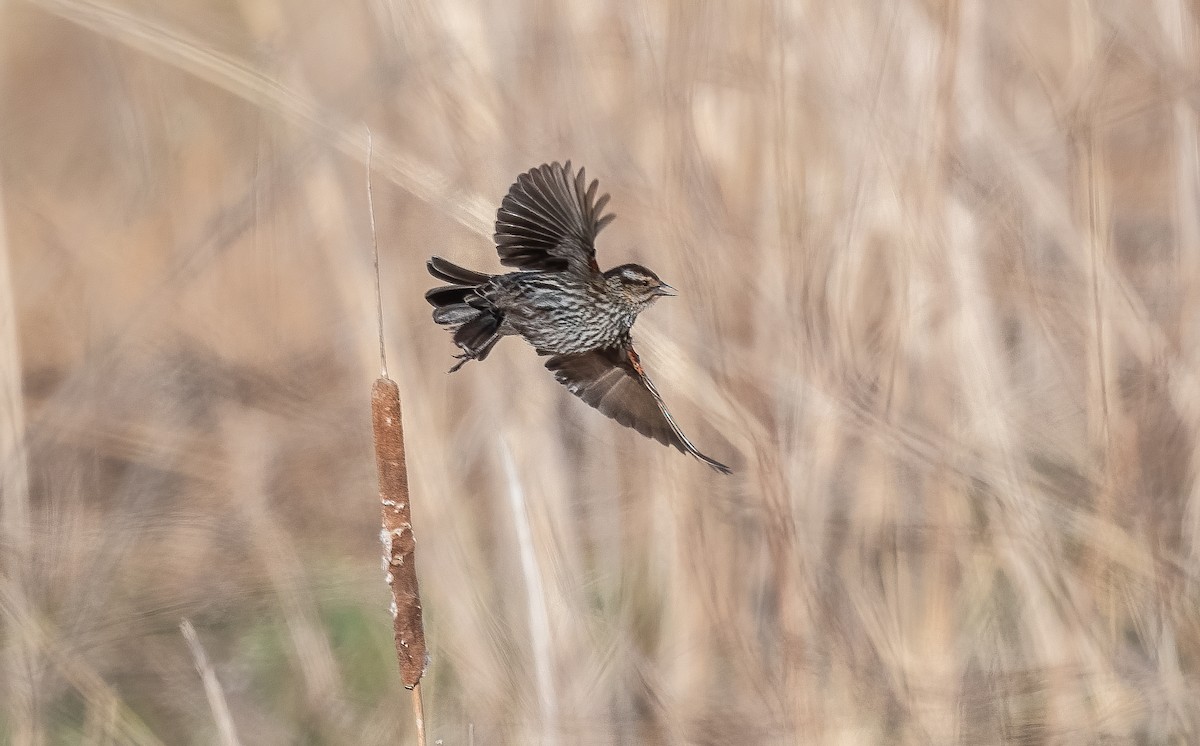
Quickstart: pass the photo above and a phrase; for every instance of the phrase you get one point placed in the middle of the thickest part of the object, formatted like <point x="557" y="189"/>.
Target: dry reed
<point x="212" y="686"/>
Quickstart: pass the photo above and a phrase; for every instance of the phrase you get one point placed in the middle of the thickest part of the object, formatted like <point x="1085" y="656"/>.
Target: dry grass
<point x="940" y="309"/>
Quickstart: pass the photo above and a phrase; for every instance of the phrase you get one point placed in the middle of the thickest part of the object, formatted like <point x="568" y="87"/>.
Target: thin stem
<point x="375" y="247"/>
<point x="212" y="687"/>
<point x="418" y="713"/>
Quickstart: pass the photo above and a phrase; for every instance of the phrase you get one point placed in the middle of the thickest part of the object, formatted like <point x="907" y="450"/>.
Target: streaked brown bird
<point x="561" y="302"/>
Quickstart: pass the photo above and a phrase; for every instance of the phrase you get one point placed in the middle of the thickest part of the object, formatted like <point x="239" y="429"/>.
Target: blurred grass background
<point x="939" y="266"/>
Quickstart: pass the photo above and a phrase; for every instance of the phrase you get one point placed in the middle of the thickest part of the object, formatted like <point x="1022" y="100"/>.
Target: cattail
<point x="396" y="533"/>
<point x="399" y="545"/>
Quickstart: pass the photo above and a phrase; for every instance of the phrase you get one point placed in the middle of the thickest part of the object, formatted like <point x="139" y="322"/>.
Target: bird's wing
<point x="549" y="220"/>
<point x="612" y="380"/>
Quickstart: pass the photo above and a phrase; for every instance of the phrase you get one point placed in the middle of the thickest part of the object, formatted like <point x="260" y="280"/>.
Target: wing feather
<point x="549" y="220"/>
<point x="613" y="381"/>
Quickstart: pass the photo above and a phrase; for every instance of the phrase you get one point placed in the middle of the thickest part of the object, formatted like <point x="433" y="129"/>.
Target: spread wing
<point x="613" y="381"/>
<point x="549" y="220"/>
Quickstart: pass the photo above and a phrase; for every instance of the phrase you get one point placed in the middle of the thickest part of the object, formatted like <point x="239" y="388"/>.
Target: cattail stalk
<point x="396" y="534"/>
<point x="399" y="545"/>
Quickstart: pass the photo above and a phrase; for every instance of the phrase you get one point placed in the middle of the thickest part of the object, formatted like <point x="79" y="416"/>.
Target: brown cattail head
<point x="399" y="545"/>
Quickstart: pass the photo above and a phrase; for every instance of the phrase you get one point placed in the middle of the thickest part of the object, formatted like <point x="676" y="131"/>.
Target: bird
<point x="561" y="302"/>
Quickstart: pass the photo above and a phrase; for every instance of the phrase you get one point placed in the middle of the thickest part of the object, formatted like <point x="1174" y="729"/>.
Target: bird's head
<point x="636" y="286"/>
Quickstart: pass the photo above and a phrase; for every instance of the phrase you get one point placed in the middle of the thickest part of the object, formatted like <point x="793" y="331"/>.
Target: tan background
<point x="939" y="266"/>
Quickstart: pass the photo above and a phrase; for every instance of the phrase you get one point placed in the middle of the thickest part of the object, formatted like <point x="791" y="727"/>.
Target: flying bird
<point x="561" y="302"/>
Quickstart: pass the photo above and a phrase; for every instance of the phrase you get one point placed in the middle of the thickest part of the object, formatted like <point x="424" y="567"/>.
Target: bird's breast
<point x="559" y="316"/>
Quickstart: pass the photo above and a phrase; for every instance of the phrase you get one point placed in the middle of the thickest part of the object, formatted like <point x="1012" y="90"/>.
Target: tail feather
<point x="452" y="273"/>
<point x="455" y="315"/>
<point x="473" y="319"/>
<point x="448" y="295"/>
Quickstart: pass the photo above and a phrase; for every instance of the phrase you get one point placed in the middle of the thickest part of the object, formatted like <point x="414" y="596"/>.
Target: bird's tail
<point x="460" y="307"/>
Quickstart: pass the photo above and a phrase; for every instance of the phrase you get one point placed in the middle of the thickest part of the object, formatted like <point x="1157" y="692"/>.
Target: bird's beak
<point x="664" y="289"/>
